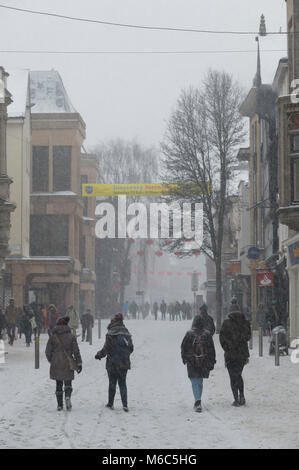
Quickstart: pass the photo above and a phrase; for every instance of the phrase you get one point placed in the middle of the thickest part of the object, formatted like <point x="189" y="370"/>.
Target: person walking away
<point x="2" y="323"/>
<point x="198" y="352"/>
<point x="52" y="318"/>
<point x="208" y="321"/>
<point x="126" y="309"/>
<point x="273" y="315"/>
<point x="117" y="348"/>
<point x="87" y="322"/>
<point x="26" y="324"/>
<point x="163" y="309"/>
<point x="261" y="318"/>
<point x="155" y="310"/>
<point x="74" y="318"/>
<point x="40" y="321"/>
<point x="234" y="336"/>
<point x="62" y="351"/>
<point x="11" y="315"/>
<point x="177" y="311"/>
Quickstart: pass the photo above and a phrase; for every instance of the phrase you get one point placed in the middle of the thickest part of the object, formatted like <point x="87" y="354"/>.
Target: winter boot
<point x="197" y="406"/>
<point x="125" y="408"/>
<point x="242" y="400"/>
<point x="59" y="396"/>
<point x="68" y="392"/>
<point x="110" y="406"/>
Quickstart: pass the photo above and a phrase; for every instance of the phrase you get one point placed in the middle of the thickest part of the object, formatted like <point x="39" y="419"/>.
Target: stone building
<point x="6" y="207"/>
<point x="60" y="265"/>
<point x="288" y="170"/>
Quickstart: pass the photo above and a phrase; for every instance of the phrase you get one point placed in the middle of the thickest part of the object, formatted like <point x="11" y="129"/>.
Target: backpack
<point x="121" y="347"/>
<point x="200" y="357"/>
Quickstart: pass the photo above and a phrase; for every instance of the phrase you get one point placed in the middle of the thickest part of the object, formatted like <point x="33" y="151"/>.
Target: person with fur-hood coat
<point x="234" y="336"/>
<point x="61" y="347"/>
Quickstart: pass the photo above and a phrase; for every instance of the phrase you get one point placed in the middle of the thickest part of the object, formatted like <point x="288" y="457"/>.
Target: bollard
<point x="276" y="350"/>
<point x="251" y="340"/>
<point x="36" y="344"/>
<point x="90" y="334"/>
<point x="261" y="342"/>
<point x="99" y="328"/>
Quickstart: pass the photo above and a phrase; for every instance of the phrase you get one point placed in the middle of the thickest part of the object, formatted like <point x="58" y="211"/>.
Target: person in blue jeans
<point x="198" y="352"/>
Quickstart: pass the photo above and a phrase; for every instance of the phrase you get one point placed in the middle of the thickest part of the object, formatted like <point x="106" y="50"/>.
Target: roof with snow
<point x="17" y="84"/>
<point x="48" y="94"/>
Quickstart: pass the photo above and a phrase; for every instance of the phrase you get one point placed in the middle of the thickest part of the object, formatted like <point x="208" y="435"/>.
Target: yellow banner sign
<point x="144" y="189"/>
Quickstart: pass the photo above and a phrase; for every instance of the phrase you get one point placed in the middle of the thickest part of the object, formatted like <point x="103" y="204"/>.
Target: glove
<point x="97" y="356"/>
<point x="79" y="369"/>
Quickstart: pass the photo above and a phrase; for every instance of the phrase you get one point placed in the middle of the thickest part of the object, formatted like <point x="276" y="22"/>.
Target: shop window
<point x="40" y="169"/>
<point x="295" y="180"/>
<point x="62" y="168"/>
<point x="49" y="235"/>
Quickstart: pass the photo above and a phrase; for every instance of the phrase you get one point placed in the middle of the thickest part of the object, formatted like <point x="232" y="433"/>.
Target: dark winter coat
<point x="116" y="349"/>
<point x="62" y="338"/>
<point x="234" y="336"/>
<point x="188" y="351"/>
<point x="208" y="322"/>
<point x="12" y="314"/>
<point x="87" y="320"/>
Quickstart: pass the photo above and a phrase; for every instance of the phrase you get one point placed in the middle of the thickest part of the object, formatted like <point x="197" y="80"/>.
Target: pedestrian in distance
<point x="208" y="321"/>
<point x="52" y="318"/>
<point x="198" y="352"/>
<point x="26" y="324"/>
<point x="163" y="309"/>
<point x="63" y="354"/>
<point x="234" y="336"/>
<point x="74" y="318"/>
<point x="87" y="322"/>
<point x="12" y="316"/>
<point x="261" y="316"/>
<point x="2" y="324"/>
<point x="155" y="310"/>
<point x="117" y="349"/>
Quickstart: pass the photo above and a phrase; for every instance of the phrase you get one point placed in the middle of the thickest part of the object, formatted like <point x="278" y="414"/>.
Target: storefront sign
<point x="265" y="279"/>
<point x="294" y="253"/>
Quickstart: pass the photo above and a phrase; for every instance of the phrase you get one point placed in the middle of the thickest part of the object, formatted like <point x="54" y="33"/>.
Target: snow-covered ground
<point x="160" y="400"/>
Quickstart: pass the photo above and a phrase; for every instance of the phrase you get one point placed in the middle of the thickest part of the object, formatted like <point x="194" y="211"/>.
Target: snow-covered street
<point x="160" y="400"/>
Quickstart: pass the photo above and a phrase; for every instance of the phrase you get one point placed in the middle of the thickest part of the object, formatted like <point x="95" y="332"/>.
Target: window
<point x="83" y="251"/>
<point x="84" y="180"/>
<point x="295" y="180"/>
<point x="62" y="168"/>
<point x="49" y="235"/>
<point x="295" y="143"/>
<point x="40" y="169"/>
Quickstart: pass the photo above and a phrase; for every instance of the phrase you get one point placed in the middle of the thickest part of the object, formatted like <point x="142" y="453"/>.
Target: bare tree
<point x="124" y="162"/>
<point x="200" y="145"/>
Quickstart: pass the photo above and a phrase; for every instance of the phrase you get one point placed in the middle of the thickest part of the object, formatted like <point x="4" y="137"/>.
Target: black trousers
<point x="235" y="369"/>
<point x="67" y="387"/>
<point x="117" y="376"/>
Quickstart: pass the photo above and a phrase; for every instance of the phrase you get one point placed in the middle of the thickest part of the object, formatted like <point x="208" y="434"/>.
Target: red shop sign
<point x="265" y="279"/>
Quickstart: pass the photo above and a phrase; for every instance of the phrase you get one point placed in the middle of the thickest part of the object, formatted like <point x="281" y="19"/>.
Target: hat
<point x="197" y="322"/>
<point x="63" y="321"/>
<point x="203" y="308"/>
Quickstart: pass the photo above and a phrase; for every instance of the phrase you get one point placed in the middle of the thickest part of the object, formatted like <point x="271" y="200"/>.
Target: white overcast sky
<point x="131" y="96"/>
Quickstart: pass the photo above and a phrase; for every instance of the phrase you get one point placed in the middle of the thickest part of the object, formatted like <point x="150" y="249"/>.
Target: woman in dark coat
<point x="198" y="352"/>
<point x="117" y="348"/>
<point x="234" y="336"/>
<point x="62" y="345"/>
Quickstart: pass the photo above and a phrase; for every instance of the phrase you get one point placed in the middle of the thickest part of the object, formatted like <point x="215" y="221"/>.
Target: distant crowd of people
<point x="175" y="310"/>
<point x="34" y="319"/>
